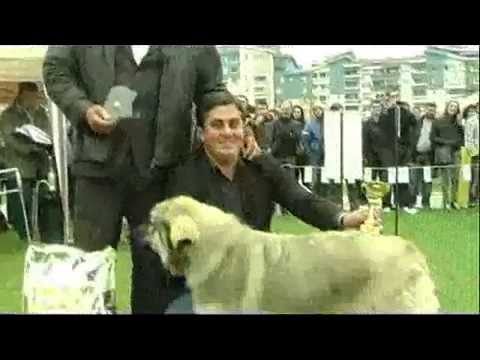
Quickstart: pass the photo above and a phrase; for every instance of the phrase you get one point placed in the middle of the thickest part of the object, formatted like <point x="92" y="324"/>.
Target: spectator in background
<point x="447" y="138"/>
<point x="418" y="112"/>
<point x="301" y="157"/>
<point x="395" y="125"/>
<point x="470" y="115"/>
<point x="314" y="145"/>
<point x="423" y="155"/>
<point x="272" y="116"/>
<point x="370" y="135"/>
<point x="262" y="108"/>
<point x="31" y="161"/>
<point x="259" y="127"/>
<point x="286" y="138"/>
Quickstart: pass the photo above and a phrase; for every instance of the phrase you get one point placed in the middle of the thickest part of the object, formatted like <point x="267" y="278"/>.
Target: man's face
<point x="243" y="103"/>
<point x="472" y="112"/>
<point x="286" y="111"/>
<point x="431" y="112"/>
<point x="391" y="100"/>
<point x="262" y="109"/>
<point x="30" y="99"/>
<point x="376" y="109"/>
<point x="223" y="134"/>
<point x="317" y="112"/>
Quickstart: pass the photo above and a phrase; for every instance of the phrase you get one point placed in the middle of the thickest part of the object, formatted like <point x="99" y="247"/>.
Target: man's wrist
<point x="341" y="220"/>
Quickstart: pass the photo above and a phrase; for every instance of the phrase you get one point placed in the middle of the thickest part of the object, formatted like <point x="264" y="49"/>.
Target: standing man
<point x="423" y="155"/>
<point x="243" y="181"/>
<point x="121" y="168"/>
<point x="396" y="122"/>
<point x="286" y="136"/>
<point x="31" y="160"/>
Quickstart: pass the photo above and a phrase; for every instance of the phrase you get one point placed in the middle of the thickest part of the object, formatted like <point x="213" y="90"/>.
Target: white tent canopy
<point x="21" y="63"/>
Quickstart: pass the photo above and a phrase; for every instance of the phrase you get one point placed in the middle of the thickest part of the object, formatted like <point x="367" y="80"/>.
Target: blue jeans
<point x="181" y="305"/>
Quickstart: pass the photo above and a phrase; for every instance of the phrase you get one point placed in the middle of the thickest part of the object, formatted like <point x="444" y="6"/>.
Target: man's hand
<point x="100" y="120"/>
<point x="355" y="219"/>
<point x="251" y="148"/>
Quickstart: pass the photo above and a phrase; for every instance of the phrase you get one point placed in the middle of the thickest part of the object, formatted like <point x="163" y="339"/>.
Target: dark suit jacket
<point x="78" y="76"/>
<point x="262" y="183"/>
<point x="31" y="161"/>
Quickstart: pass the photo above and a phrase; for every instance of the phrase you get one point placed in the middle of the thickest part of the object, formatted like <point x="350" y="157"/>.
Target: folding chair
<point x="15" y="174"/>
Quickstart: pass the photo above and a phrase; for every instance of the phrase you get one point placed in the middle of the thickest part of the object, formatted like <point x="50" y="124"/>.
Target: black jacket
<point x="78" y="76"/>
<point x="387" y="128"/>
<point x="286" y="137"/>
<point x="262" y="183"/>
<point x="446" y="132"/>
<point x="370" y="135"/>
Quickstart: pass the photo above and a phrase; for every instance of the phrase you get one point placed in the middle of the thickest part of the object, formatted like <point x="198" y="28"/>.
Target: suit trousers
<point x="100" y="206"/>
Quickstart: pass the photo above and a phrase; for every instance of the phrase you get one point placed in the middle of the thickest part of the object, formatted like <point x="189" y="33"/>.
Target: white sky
<point x="306" y="54"/>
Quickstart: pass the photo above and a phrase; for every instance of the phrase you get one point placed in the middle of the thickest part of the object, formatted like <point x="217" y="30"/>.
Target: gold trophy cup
<point x="375" y="191"/>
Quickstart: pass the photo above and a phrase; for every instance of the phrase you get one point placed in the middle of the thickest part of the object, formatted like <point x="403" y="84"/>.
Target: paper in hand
<point x="34" y="135"/>
<point x="119" y="103"/>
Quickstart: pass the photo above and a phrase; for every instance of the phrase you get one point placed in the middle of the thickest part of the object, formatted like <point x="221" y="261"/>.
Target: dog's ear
<point x="184" y="232"/>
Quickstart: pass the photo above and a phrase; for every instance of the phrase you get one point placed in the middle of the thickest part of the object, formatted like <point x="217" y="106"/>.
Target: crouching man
<point x="230" y="172"/>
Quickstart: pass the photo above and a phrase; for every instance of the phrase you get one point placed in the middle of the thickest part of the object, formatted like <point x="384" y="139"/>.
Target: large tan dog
<point x="230" y="267"/>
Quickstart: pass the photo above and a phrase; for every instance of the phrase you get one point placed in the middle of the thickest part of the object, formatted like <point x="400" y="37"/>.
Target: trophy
<point x="119" y="103"/>
<point x="375" y="191"/>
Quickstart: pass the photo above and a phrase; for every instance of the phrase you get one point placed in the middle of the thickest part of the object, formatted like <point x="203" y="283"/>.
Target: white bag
<point x="64" y="280"/>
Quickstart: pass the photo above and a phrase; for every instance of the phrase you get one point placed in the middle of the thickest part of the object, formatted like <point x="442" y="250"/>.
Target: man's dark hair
<point x="467" y="109"/>
<point x="27" y="86"/>
<point x="212" y="100"/>
<point x="336" y="107"/>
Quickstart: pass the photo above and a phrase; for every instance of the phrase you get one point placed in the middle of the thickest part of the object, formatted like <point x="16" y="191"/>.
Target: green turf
<point x="450" y="240"/>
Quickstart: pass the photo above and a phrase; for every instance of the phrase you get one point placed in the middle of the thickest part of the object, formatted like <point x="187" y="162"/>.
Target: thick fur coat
<point x="230" y="267"/>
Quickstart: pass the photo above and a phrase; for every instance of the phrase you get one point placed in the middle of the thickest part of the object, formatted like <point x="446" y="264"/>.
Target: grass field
<point x="450" y="240"/>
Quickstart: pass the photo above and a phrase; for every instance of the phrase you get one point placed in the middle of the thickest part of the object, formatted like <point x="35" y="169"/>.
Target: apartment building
<point x="249" y="71"/>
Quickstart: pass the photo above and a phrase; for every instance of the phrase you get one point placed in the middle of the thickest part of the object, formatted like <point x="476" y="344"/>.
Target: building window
<point x="351" y="108"/>
<point x="259" y="89"/>
<point x="234" y="69"/>
<point x="351" y="83"/>
<point x="260" y="78"/>
<point x="322" y="75"/>
<point x="420" y="92"/>
<point x="323" y="98"/>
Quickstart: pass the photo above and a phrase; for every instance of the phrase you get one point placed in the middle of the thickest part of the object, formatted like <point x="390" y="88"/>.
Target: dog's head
<point x="173" y="232"/>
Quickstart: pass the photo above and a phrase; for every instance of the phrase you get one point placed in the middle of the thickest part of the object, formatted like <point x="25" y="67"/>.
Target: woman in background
<point x="299" y="115"/>
<point x="447" y="139"/>
<point x="470" y="115"/>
